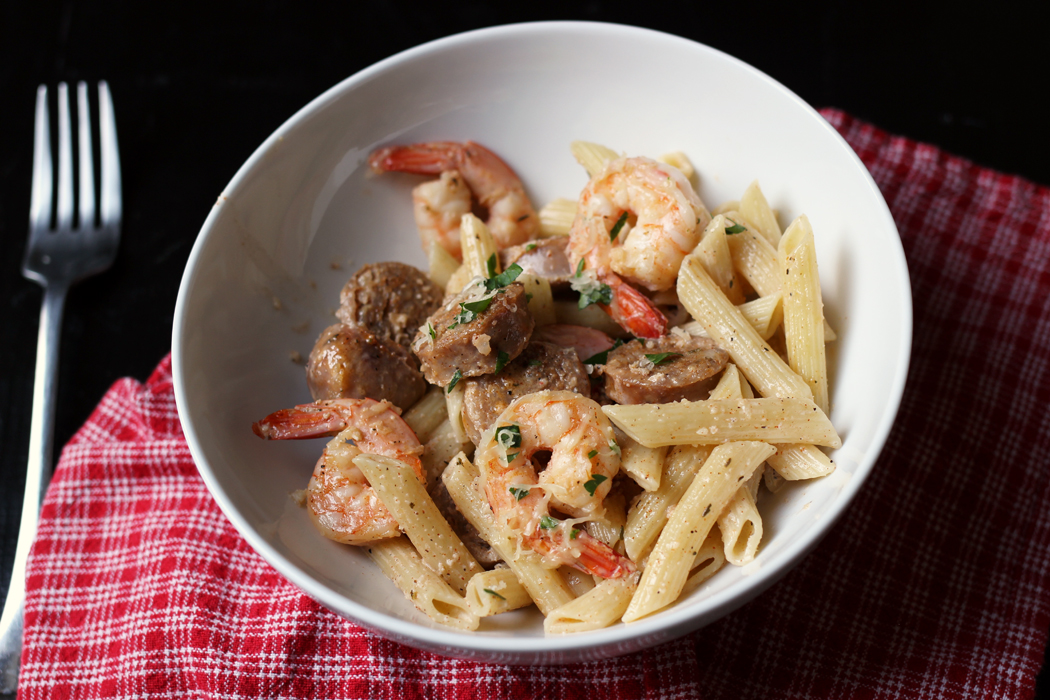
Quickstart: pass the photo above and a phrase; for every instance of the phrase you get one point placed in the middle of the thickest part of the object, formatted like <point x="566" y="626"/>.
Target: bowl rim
<point x="448" y="641"/>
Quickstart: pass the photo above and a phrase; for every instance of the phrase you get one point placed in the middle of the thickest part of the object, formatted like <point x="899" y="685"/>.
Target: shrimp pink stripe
<point x="299" y="423"/>
<point x="420" y="158"/>
<point x="633" y="310"/>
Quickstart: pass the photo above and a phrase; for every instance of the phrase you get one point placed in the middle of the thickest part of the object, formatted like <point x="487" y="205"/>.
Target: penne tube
<point x="731" y="205"/>
<point x="406" y="497"/>
<point x="741" y="527"/>
<point x="592" y="156"/>
<point x="438" y="451"/>
<point x="556" y="217"/>
<point x="545" y="586"/>
<point x="643" y="464"/>
<point x="427" y="414"/>
<point x="725" y="325"/>
<point x="755" y="208"/>
<point x="773" y="481"/>
<point x="709" y="560"/>
<point x="578" y="582"/>
<point x="765" y="314"/>
<point x="454" y="407"/>
<point x="794" y="462"/>
<point x="681" y="161"/>
<point x="479" y="247"/>
<point x="458" y="281"/>
<point x="609" y="526"/>
<point x="441" y="263"/>
<point x="754" y="257"/>
<point x="596" y="609"/>
<point x="648" y="515"/>
<point x="716" y="421"/>
<point x="541" y="300"/>
<point x="427" y="591"/>
<point x="804" y="309"/>
<point x="711" y="490"/>
<point x="494" y="592"/>
<point x="713" y="252"/>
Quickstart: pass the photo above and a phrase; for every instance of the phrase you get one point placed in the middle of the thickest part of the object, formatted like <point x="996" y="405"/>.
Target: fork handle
<point x="38" y="474"/>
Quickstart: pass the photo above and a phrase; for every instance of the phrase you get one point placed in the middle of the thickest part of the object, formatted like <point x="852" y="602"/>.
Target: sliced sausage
<point x="544" y="257"/>
<point x="390" y="300"/>
<point x="541" y="366"/>
<point x="474" y="342"/>
<point x="348" y="362"/>
<point x="689" y="372"/>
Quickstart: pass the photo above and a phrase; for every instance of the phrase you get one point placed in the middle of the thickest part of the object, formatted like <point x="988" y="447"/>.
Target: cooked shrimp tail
<point x="497" y="188"/>
<point x="303" y="422"/>
<point x="633" y="310"/>
<point x="591" y="555"/>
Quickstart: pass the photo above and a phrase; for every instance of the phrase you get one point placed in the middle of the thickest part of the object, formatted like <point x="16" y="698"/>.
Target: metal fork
<point x="58" y="255"/>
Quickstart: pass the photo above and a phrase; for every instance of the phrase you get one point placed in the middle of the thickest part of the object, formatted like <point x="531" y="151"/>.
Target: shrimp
<point x="440" y="205"/>
<point x="340" y="501"/>
<point x="668" y="220"/>
<point x="584" y="459"/>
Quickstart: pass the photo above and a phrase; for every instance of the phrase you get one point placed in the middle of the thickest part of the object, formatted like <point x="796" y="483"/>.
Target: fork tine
<point x="87" y="175"/>
<point x="64" y="211"/>
<point x="40" y="199"/>
<point x="110" y="203"/>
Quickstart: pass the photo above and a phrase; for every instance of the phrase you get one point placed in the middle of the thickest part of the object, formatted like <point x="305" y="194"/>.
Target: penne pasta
<point x="804" y="309"/>
<point x="643" y="464"/>
<point x="541" y="301"/>
<point x="545" y="586"/>
<point x="427" y="414"/>
<point x="479" y="247"/>
<point x="556" y="217"/>
<point x="708" y="561"/>
<point x="418" y="516"/>
<point x="712" y="488"/>
<point x="428" y="592"/>
<point x="592" y="156"/>
<point x="441" y="263"/>
<point x="718" y="421"/>
<point x="438" y="451"/>
<point x="494" y="592"/>
<point x="794" y="462"/>
<point x="754" y="256"/>
<point x="713" y="253"/>
<point x="762" y="366"/>
<point x="598" y="608"/>
<point x="755" y="208"/>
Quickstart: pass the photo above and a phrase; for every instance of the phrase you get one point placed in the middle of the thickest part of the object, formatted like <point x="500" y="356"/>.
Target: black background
<point x="197" y="89"/>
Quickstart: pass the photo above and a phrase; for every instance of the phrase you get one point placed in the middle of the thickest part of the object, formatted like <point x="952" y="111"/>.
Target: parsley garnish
<point x="659" y="357"/>
<point x="592" y="454"/>
<point x="455" y="379"/>
<point x="579" y="267"/>
<point x="594" y="482"/>
<point x="431" y="331"/>
<point x="509" y="437"/>
<point x="574" y="534"/>
<point x="470" y="311"/>
<point x="614" y="447"/>
<point x="492" y="592"/>
<point x="518" y="492"/>
<point x="491" y="265"/>
<point x="502" y="279"/>
<point x="735" y="228"/>
<point x="530" y="247"/>
<point x="548" y="523"/>
<point x="501" y="361"/>
<point x="602" y="294"/>
<point x="600" y="358"/>
<point x="617" y="226"/>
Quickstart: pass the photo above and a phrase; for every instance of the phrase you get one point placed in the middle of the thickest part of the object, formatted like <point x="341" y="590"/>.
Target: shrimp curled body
<point x="660" y="220"/>
<point x="464" y="169"/>
<point x="340" y="501"/>
<point x="583" y="461"/>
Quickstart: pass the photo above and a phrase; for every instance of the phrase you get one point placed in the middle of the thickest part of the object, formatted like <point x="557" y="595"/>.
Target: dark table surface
<point x="197" y="90"/>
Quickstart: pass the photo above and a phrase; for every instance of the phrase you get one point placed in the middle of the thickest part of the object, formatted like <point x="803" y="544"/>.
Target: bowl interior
<point x="303" y="213"/>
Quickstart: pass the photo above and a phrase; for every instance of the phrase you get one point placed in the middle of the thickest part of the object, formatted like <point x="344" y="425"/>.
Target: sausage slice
<point x="348" y="362"/>
<point x="688" y="371"/>
<point x="544" y="257"/>
<point x="472" y="337"/>
<point x="541" y="366"/>
<point x="390" y="300"/>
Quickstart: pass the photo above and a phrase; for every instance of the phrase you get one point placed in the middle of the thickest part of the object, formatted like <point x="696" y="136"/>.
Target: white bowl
<point x="303" y="213"/>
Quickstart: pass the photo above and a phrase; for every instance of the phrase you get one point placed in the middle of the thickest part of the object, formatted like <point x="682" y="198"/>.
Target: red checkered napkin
<point x="933" y="585"/>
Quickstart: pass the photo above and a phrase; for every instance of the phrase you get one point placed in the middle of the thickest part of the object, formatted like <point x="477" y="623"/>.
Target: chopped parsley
<point x="574" y="534"/>
<point x="594" y="482"/>
<point x="470" y="311"/>
<point x="614" y="447"/>
<point x="455" y="380"/>
<point x="592" y="454"/>
<point x="509" y="438"/>
<point x="602" y="294"/>
<point x="502" y="279"/>
<point x="519" y="492"/>
<point x="548" y="523"/>
<point x="501" y="361"/>
<point x="618" y="226"/>
<point x="430" y="330"/>
<point x="735" y="228"/>
<point x="579" y="267"/>
<point x="600" y="358"/>
<point x="530" y="247"/>
<point x="659" y="357"/>
<point x="491" y="265"/>
<point x="492" y="592"/>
